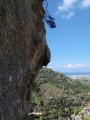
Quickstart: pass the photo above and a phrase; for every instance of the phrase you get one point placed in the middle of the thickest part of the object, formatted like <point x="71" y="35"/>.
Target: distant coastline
<point x="76" y="73"/>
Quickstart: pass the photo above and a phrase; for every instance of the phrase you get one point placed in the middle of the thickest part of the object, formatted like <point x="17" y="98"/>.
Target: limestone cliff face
<point x="23" y="51"/>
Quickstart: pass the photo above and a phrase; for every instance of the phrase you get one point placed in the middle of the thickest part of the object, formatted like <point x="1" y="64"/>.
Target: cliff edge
<point x="23" y="52"/>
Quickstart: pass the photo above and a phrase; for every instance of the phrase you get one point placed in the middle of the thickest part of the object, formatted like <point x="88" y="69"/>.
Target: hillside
<point x="57" y="96"/>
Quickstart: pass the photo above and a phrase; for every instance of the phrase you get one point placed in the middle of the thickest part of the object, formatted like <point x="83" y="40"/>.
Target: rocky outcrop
<point x="23" y="51"/>
<point x="83" y="114"/>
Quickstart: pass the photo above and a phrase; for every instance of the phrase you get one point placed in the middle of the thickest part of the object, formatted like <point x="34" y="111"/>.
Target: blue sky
<point x="69" y="42"/>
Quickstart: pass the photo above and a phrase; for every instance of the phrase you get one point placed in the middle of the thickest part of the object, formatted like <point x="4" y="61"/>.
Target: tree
<point x="48" y="19"/>
<point x="65" y="106"/>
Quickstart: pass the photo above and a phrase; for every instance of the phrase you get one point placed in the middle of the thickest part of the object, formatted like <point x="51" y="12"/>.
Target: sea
<point x="76" y="73"/>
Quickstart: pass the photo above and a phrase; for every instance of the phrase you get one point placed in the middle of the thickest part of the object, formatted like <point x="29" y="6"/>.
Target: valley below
<point x="59" y="97"/>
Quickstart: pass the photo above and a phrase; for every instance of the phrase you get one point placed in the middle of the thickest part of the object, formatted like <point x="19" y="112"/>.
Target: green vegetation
<point x="87" y="118"/>
<point x="44" y="13"/>
<point x="57" y="96"/>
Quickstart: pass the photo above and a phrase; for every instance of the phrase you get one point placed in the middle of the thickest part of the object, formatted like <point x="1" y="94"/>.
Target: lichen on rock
<point x="23" y="52"/>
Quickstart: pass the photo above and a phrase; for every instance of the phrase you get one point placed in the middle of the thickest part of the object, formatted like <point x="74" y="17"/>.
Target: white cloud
<point x="85" y="3"/>
<point x="68" y="16"/>
<point x="79" y="65"/>
<point x="67" y="5"/>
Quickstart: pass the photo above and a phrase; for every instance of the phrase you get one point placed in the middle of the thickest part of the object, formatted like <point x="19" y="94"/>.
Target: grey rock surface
<point x="23" y="52"/>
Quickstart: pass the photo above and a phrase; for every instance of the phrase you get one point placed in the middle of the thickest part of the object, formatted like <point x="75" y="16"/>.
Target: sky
<point x="69" y="42"/>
